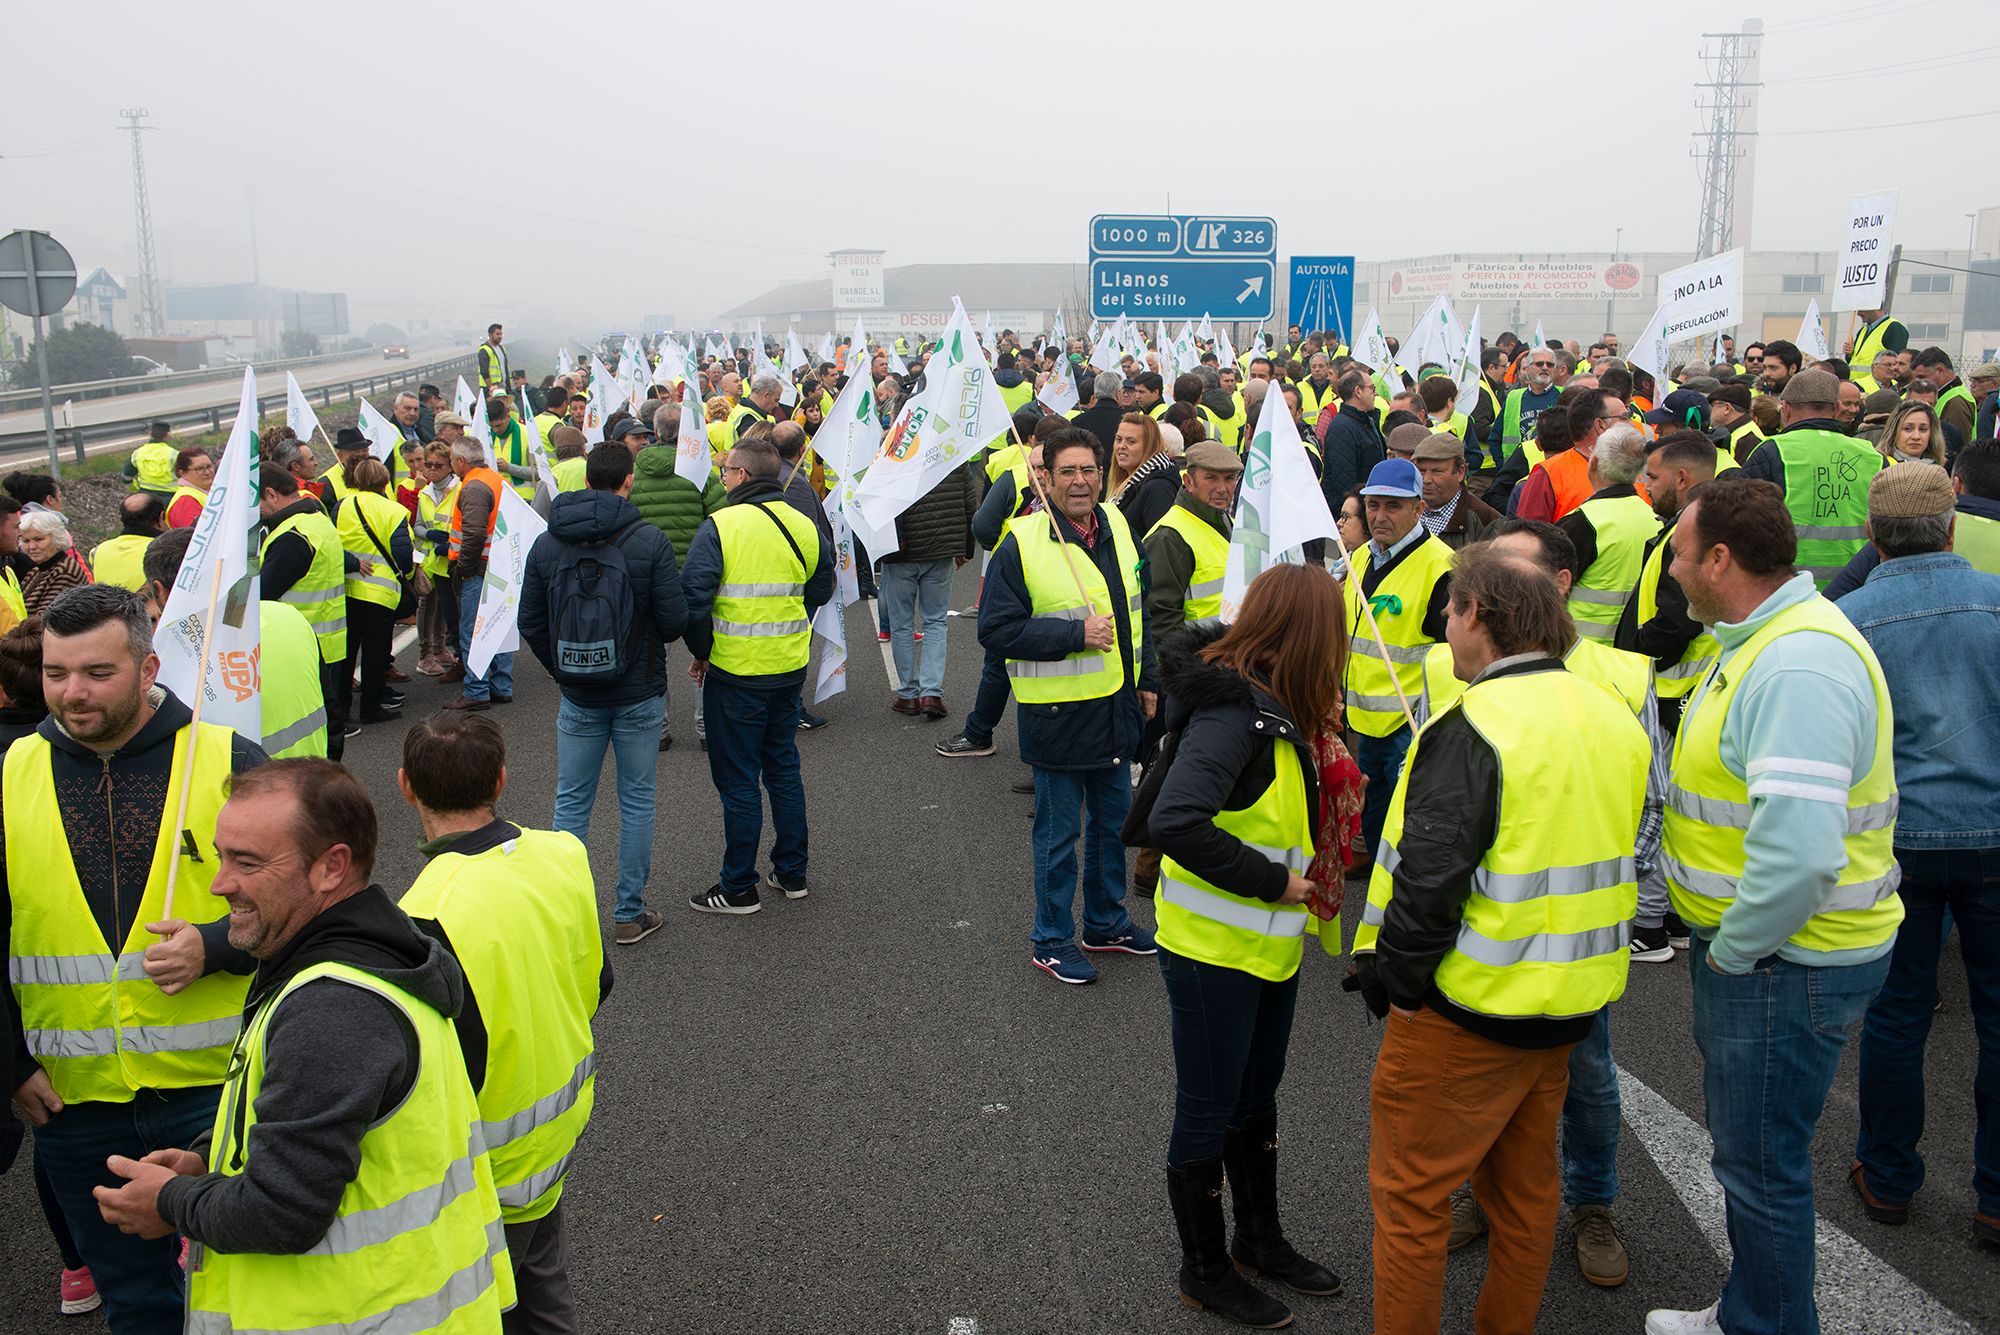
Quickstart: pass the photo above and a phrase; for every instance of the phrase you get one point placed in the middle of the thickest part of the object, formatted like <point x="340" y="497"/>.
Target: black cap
<point x="1683" y="407"/>
<point x="630" y="426"/>
<point x="351" y="438"/>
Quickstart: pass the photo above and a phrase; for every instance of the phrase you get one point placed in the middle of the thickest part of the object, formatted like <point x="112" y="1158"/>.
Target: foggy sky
<point x="580" y="173"/>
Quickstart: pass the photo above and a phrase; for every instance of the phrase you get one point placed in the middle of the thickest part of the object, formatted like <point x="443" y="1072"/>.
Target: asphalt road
<point x="864" y="1111"/>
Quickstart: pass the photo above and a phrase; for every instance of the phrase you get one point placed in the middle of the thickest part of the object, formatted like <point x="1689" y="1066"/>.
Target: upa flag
<point x="1812" y="334"/>
<point x="496" y="630"/>
<point x="217" y="569"/>
<point x="959" y="413"/>
<point x="1280" y="507"/>
<point x="299" y="414"/>
<point x="1465" y="371"/>
<point x="383" y="437"/>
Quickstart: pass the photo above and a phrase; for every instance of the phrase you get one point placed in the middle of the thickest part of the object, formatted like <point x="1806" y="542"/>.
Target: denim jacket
<point x="1934" y="622"/>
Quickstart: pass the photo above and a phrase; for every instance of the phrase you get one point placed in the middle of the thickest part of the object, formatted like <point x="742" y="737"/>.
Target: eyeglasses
<point x="1550" y="365"/>
<point x="1077" y="474"/>
<point x="732" y="468"/>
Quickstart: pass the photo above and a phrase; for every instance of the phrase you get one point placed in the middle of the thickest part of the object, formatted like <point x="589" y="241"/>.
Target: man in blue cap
<point x="1402" y="573"/>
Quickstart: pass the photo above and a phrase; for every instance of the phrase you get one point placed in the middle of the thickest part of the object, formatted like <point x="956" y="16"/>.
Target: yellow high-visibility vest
<point x="1546" y="930"/>
<point x="1087" y="674"/>
<point x="366" y="520"/>
<point x="292" y="704"/>
<point x="100" y="1028"/>
<point x="1624" y="524"/>
<point x="1708" y="805"/>
<point x="416" y="1243"/>
<point x="1400" y="603"/>
<point x="761" y="626"/>
<point x="121" y="561"/>
<point x="321" y="593"/>
<point x="522" y="919"/>
<point x="1676" y="682"/>
<point x="1203" y="595"/>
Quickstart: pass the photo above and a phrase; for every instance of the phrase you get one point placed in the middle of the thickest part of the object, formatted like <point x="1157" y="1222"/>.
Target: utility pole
<point x="1728" y="96"/>
<point x="152" y="309"/>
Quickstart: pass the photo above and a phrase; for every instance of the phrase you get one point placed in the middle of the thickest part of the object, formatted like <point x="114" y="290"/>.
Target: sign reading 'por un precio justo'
<point x="1863" y="257"/>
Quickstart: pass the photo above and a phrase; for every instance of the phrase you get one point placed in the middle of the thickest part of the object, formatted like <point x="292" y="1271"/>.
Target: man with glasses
<point x="1528" y="401"/>
<point x="1062" y="606"/>
<point x="1561" y="481"/>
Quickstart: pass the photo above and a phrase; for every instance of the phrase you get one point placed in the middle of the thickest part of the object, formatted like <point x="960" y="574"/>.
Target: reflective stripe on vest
<point x="1546" y="929"/>
<point x="1400" y="602"/>
<point x="153" y="467"/>
<point x="1313" y="401"/>
<point x="99" y="1026"/>
<point x="1868" y="344"/>
<point x="493" y="483"/>
<point x="1623" y="525"/>
<point x="761" y="627"/>
<point x="292" y="706"/>
<point x="1203" y="596"/>
<point x="416" y="1244"/>
<point x="321" y="593"/>
<point x="436" y="514"/>
<point x="1206" y="922"/>
<point x="522" y="919"/>
<point x="1826" y="490"/>
<point x="1709" y="806"/>
<point x="1052" y="571"/>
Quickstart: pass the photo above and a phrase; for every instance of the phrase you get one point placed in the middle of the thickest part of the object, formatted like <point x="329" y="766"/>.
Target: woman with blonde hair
<point x="1912" y="434"/>
<point x="1238" y="804"/>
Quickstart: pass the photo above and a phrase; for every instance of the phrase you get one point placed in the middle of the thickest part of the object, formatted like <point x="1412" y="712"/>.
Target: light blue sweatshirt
<point x="1801" y="729"/>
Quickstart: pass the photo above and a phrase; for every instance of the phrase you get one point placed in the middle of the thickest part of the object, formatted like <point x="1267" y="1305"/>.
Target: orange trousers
<point x="1447" y="1105"/>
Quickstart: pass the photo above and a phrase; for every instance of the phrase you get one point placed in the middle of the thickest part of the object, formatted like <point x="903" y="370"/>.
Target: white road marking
<point x="962" y="1325"/>
<point x="404" y="639"/>
<point x="1858" y="1291"/>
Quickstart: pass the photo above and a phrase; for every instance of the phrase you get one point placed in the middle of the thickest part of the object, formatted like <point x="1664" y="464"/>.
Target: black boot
<point x="1208" y="1281"/>
<point x="1259" y="1248"/>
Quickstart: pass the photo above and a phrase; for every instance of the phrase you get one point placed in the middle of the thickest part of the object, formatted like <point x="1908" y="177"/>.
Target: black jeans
<point x="371" y="628"/>
<point x="1231" y="1032"/>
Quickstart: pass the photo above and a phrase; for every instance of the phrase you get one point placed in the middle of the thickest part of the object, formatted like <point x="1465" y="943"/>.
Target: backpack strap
<point x="790" y="541"/>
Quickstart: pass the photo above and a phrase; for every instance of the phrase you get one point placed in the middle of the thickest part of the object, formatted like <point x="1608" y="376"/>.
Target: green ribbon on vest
<point x="1386" y="604"/>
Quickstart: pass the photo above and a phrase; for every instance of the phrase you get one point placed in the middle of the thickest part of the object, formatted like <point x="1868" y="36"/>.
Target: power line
<point x="1887" y="125"/>
<point x="1945" y="61"/>
<point x="1880" y="10"/>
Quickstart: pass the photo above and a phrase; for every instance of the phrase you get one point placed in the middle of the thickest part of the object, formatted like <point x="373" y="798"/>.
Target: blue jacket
<point x="595" y="517"/>
<point x="1934" y="622"/>
<point x="1081" y="734"/>
<point x="701" y="576"/>
<point x="1856" y="572"/>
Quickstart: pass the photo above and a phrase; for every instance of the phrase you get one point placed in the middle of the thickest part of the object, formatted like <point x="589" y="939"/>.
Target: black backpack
<point x="592" y="611"/>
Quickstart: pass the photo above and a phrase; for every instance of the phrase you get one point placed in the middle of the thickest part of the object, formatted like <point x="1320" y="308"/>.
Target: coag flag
<point x="845" y="443"/>
<point x="218" y="569"/>
<point x="496" y="630"/>
<point x="299" y="414"/>
<point x="1280" y="507"/>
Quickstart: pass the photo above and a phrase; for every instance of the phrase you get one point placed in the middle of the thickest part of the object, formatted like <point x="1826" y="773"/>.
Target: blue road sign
<point x="1185" y="265"/>
<point x="1228" y="289"/>
<point x="1322" y="294"/>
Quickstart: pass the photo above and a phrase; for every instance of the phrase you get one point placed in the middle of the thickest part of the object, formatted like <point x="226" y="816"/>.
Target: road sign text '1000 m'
<point x="1182" y="264"/>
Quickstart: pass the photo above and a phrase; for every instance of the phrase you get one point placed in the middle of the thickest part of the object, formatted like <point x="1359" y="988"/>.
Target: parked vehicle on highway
<point x="394" y="352"/>
<point x="147" y="366"/>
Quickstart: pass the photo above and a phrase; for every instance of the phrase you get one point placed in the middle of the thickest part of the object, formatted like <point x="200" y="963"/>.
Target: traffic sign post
<point x="38" y="277"/>
<point x="1321" y="294"/>
<point x="1182" y="264"/>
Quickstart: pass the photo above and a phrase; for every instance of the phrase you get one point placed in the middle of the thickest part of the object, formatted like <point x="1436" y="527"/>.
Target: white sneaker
<point x="1665" y="1322"/>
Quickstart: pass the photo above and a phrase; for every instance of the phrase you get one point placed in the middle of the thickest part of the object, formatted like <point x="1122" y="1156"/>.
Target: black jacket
<point x="1666" y="637"/>
<point x="1229" y="733"/>
<point x="1352" y="447"/>
<point x="111" y="808"/>
<point x="593" y="519"/>
<point x="1101" y="420"/>
<point x="701" y="576"/>
<point x="337" y="1059"/>
<point x="289" y="556"/>
<point x="1079" y="734"/>
<point x="938" y="524"/>
<point x="1149" y="494"/>
<point x="1451" y="816"/>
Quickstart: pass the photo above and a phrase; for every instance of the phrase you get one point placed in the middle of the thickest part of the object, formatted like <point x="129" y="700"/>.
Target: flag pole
<point x="1374" y="629"/>
<point x="1048" y="508"/>
<point x="194" y="736"/>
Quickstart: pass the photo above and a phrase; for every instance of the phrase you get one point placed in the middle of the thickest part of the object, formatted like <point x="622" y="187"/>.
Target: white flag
<point x="1372" y="348"/>
<point x="217" y="567"/>
<point x="383" y="437"/>
<point x="717" y="349"/>
<point x="497" y="629"/>
<point x="1060" y="393"/>
<point x="1225" y="351"/>
<point x="1104" y="349"/>
<point x="824" y="352"/>
<point x="464" y="402"/>
<point x="796" y="359"/>
<point x="299" y="414"/>
<point x="564" y="362"/>
<point x="959" y="413"/>
<point x="606" y="394"/>
<point x="1541" y="339"/>
<point x="1466" y="371"/>
<point x="1280" y="507"/>
<point x="693" y="459"/>
<point x="482" y="431"/>
<point x="896" y="364"/>
<point x="1650" y="351"/>
<point x="1812" y="334"/>
<point x="1205" y="331"/>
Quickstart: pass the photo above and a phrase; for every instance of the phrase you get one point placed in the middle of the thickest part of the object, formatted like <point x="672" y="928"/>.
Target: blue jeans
<point x="633" y="734"/>
<point x="140" y="1280"/>
<point x="1590" y="1116"/>
<point x="1770" y="1042"/>
<point x="1231" y="1030"/>
<point x="1938" y="887"/>
<point x="753" y="735"/>
<point x="499" y="678"/>
<point x="1381" y="759"/>
<point x="991" y="702"/>
<point x="1061" y="799"/>
<point x="910" y="590"/>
